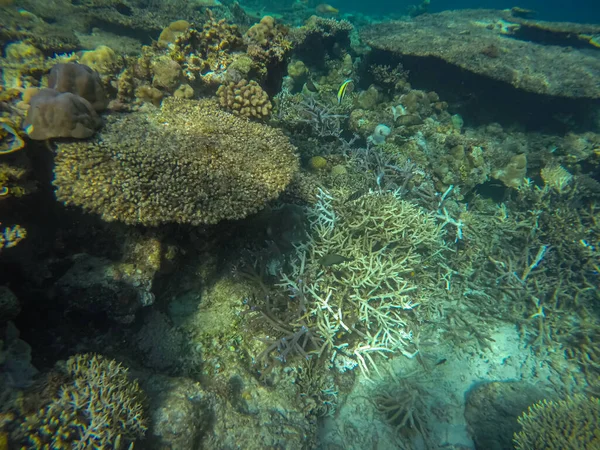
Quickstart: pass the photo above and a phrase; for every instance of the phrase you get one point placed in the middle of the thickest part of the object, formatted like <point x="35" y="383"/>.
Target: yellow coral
<point x="573" y="423"/>
<point x="11" y="236"/>
<point x="245" y="99"/>
<point x="103" y="60"/>
<point x="556" y="177"/>
<point x="188" y="163"/>
<point x="317" y="163"/>
<point x="99" y="408"/>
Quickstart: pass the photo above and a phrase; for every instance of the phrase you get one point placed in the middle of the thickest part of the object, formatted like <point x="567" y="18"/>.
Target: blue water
<point x="579" y="11"/>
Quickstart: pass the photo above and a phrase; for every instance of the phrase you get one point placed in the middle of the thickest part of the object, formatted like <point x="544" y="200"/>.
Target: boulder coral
<point x="55" y="114"/>
<point x="189" y="163"/>
<point x="246" y="99"/>
<point x="78" y="79"/>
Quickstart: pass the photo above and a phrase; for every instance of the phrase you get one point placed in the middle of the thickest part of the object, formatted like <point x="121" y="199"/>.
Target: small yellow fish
<point x="324" y="8"/>
<point x="343" y="89"/>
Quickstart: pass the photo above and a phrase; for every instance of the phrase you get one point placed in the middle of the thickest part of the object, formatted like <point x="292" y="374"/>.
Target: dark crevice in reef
<point x="482" y="100"/>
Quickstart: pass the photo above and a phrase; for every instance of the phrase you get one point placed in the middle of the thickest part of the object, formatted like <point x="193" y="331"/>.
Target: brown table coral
<point x="533" y="56"/>
<point x="187" y="163"/>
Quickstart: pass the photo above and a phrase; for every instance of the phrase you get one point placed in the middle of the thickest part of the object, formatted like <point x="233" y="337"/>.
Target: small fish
<point x="343" y="89"/>
<point x="441" y="361"/>
<point x="356" y="195"/>
<point x="29" y="129"/>
<point x="324" y="8"/>
<point x="331" y="259"/>
<point x="310" y="85"/>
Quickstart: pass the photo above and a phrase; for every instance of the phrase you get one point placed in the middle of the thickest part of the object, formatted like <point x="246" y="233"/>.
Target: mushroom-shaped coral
<point x="246" y="99"/>
<point x="78" y="79"/>
<point x="54" y="114"/>
<point x="187" y="163"/>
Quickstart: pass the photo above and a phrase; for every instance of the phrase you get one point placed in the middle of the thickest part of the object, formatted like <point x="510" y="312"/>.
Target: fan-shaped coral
<point x="189" y="163"/>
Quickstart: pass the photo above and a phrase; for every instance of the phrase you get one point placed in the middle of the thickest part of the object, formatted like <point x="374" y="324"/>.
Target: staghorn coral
<point x="246" y="99"/>
<point x="571" y="423"/>
<point x="11" y="236"/>
<point x="556" y="177"/>
<point x="323" y="28"/>
<point x="356" y="278"/>
<point x="99" y="408"/>
<point x="188" y="163"/>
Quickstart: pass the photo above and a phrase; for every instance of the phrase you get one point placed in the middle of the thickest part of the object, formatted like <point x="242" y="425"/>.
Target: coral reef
<point x="54" y="114"/>
<point x="358" y="279"/>
<point x="188" y="163"/>
<point x="99" y="407"/>
<point x="267" y="41"/>
<point x="467" y="38"/>
<point x="570" y="423"/>
<point x="80" y="80"/>
<point x="11" y="236"/>
<point x="246" y="99"/>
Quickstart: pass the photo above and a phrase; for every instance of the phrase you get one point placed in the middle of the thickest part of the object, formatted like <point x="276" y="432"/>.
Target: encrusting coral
<point x="99" y="408"/>
<point x="246" y="99"/>
<point x="188" y="163"/>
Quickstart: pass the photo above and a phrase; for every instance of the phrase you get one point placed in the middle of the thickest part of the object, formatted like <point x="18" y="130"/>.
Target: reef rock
<point x="557" y="59"/>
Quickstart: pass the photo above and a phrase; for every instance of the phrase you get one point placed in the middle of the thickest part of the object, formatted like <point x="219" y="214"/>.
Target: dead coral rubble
<point x="494" y="44"/>
<point x="189" y="163"/>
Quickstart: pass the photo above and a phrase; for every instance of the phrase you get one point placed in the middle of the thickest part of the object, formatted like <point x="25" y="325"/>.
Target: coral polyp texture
<point x="572" y="423"/>
<point x="190" y="163"/>
<point x="246" y="99"/>
<point x="99" y="408"/>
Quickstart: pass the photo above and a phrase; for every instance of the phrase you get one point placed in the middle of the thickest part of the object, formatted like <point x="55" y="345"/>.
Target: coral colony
<point x="291" y="224"/>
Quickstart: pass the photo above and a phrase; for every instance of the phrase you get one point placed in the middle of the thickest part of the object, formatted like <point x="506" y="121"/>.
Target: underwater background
<point x="577" y="11"/>
<point x="289" y="224"/>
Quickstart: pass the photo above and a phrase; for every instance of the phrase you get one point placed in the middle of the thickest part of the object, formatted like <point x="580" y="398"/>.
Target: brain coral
<point x="187" y="163"/>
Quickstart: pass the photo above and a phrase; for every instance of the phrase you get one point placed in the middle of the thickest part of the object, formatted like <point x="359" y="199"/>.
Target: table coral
<point x="497" y="45"/>
<point x="188" y="163"/>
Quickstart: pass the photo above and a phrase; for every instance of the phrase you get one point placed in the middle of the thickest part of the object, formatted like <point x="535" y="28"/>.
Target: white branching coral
<point x="361" y="272"/>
